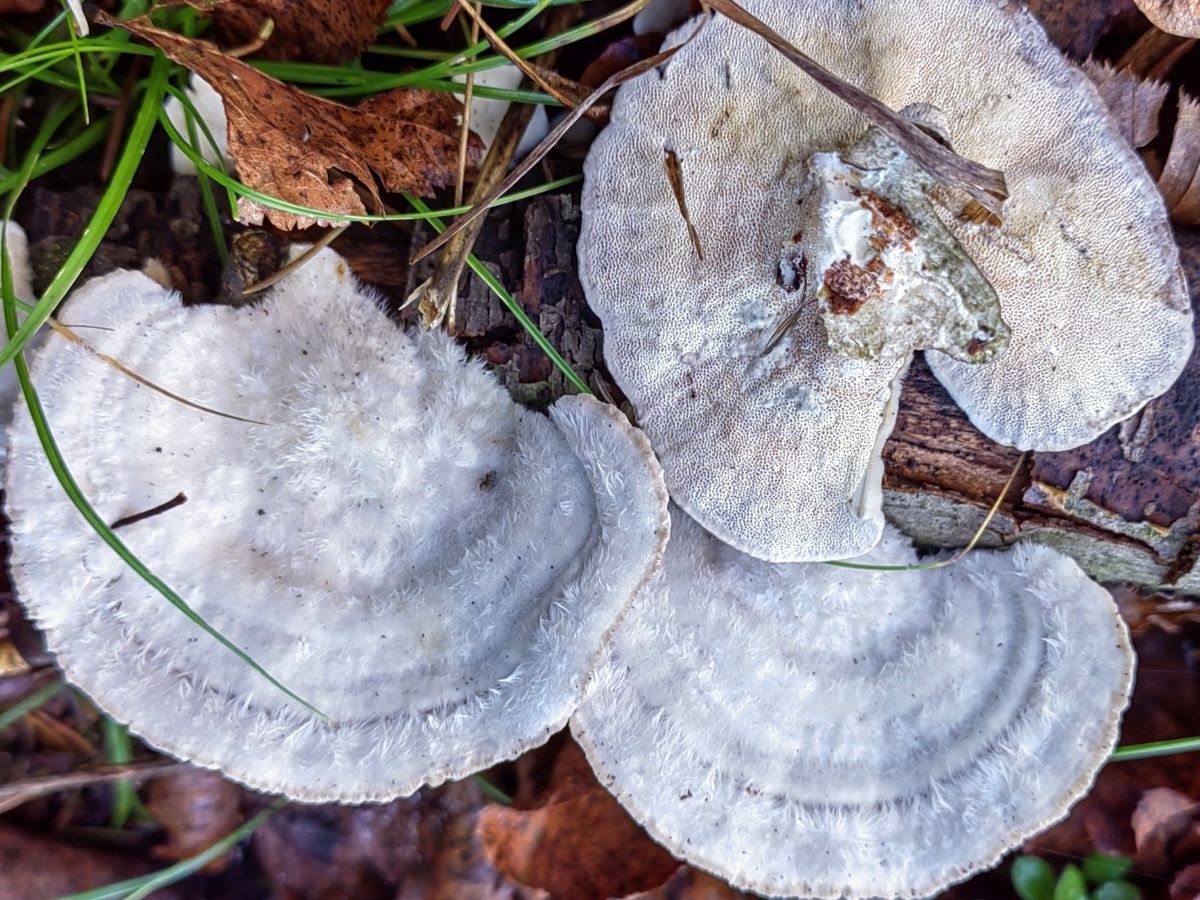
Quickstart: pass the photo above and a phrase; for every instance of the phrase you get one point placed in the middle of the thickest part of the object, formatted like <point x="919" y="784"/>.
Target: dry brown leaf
<point x="1134" y="103"/>
<point x="1180" y="181"/>
<point x="196" y="808"/>
<point x="1176" y="16"/>
<point x="580" y="844"/>
<point x="322" y="31"/>
<point x="422" y="847"/>
<point x="1186" y="884"/>
<point x="34" y="868"/>
<point x="1153" y="55"/>
<point x="313" y="152"/>
<point x="1162" y="817"/>
<point x="1076" y="26"/>
<point x="690" y="884"/>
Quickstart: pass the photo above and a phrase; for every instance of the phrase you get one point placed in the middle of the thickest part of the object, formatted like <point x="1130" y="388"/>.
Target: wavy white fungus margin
<point x="817" y="731"/>
<point x="429" y="564"/>
<point x="773" y="455"/>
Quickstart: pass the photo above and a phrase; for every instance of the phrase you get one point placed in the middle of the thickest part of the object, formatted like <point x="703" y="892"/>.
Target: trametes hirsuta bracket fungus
<point x="428" y="564"/>
<point x="818" y="731"/>
<point x="766" y="374"/>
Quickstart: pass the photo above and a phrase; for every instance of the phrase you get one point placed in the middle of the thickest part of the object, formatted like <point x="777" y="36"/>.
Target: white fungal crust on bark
<point x="817" y="731"/>
<point x="427" y="563"/>
<point x="768" y="454"/>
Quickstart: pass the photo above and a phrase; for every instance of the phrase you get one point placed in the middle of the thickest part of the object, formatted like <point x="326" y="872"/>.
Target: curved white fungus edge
<point x="816" y="731"/>
<point x="17" y="247"/>
<point x="1085" y="264"/>
<point x="430" y="565"/>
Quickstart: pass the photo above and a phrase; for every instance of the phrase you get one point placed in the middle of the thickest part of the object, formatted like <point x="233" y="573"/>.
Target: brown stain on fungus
<point x="850" y="286"/>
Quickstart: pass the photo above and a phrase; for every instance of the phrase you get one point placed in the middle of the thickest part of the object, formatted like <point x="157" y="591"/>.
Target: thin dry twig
<point x="292" y="265"/>
<point x="20" y="792"/>
<point x="116" y="132"/>
<point x="464" y="135"/>
<point x="141" y="379"/>
<point x="438" y="294"/>
<point x="985" y="185"/>
<point x="951" y="560"/>
<point x="508" y="53"/>
<point x="675" y="177"/>
<point x="547" y="144"/>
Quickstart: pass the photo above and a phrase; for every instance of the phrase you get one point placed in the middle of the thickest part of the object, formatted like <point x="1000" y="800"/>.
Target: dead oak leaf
<point x="1180" y="179"/>
<point x="195" y="808"/>
<point x="1135" y="103"/>
<point x="579" y="843"/>
<point x="1161" y="818"/>
<point x="322" y="31"/>
<point x="1176" y="16"/>
<point x="315" y="153"/>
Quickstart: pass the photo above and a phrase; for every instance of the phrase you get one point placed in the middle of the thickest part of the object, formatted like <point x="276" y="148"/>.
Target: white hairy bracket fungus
<point x="813" y="730"/>
<point x="427" y="563"/>
<point x="778" y="454"/>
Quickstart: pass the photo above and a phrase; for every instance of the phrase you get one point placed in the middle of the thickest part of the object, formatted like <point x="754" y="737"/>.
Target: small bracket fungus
<point x="813" y="730"/>
<point x="778" y="454"/>
<point x="428" y="564"/>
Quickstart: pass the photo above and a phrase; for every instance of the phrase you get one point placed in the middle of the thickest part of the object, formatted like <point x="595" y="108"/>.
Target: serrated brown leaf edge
<point x="313" y="152"/>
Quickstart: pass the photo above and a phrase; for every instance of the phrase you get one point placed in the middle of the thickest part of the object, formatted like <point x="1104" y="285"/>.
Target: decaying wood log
<point x="1126" y="506"/>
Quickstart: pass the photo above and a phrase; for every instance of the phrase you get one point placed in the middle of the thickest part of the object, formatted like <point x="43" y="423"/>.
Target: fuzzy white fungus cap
<point x="1085" y="264"/>
<point x="813" y="730"/>
<point x="429" y="564"/>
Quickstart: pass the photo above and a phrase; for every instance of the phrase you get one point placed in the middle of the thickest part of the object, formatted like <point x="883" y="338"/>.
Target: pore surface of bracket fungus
<point x="777" y="454"/>
<point x="427" y="563"/>
<point x="813" y="730"/>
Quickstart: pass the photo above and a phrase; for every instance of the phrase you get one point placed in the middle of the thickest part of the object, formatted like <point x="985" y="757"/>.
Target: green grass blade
<point x="232" y="184"/>
<point x="140" y="888"/>
<point x="78" y="57"/>
<point x="507" y="299"/>
<point x="34" y="701"/>
<point x="61" y="155"/>
<point x="118" y="751"/>
<point x="106" y="534"/>
<point x="1156" y="748"/>
<point x="41" y="425"/>
<point x="106" y="210"/>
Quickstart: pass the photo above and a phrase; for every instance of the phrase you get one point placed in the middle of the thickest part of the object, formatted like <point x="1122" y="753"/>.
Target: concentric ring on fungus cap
<point x="779" y="456"/>
<point x="824" y="732"/>
<point x="429" y="564"/>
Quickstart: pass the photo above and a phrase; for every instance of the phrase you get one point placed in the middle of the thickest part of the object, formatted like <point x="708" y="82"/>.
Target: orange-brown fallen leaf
<point x="39" y="868"/>
<point x="1133" y="102"/>
<point x="321" y="31"/>
<point x="1161" y="818"/>
<point x="1180" y="181"/>
<point x="195" y="808"/>
<point x="1176" y="16"/>
<point x="581" y="844"/>
<point x="1186" y="884"/>
<point x="422" y="847"/>
<point x="690" y="884"/>
<point x="1076" y="26"/>
<point x="313" y="152"/>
